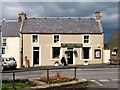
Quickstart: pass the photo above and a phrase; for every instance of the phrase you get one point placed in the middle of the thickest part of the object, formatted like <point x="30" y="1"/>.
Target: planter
<point x="85" y="62"/>
<point x="56" y="64"/>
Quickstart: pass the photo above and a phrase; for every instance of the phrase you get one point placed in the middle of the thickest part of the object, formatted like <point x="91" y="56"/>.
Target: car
<point x="9" y="62"/>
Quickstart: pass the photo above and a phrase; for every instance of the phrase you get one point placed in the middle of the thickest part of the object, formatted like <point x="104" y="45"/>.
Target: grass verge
<point x="9" y="86"/>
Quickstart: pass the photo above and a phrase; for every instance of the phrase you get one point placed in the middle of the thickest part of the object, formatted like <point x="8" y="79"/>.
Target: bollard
<point x="75" y="73"/>
<point x="48" y="76"/>
<point x="14" y="80"/>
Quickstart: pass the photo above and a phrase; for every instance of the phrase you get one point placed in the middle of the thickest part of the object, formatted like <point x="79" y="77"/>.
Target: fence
<point x="47" y="69"/>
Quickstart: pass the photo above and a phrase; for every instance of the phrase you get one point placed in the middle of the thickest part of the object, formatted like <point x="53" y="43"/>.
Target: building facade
<point x="11" y="40"/>
<point x="113" y="44"/>
<point x="46" y="40"/>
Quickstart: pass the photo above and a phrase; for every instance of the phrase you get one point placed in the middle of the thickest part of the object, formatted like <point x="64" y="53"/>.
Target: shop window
<point x="55" y="52"/>
<point x="86" y="53"/>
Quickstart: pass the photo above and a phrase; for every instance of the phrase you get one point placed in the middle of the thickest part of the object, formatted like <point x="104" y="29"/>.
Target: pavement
<point x="72" y="66"/>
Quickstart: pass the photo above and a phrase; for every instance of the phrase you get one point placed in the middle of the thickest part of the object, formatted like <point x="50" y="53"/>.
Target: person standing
<point x="26" y="62"/>
<point x="63" y="61"/>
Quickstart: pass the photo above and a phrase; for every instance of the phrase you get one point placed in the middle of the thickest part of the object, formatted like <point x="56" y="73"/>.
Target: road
<point x="97" y="77"/>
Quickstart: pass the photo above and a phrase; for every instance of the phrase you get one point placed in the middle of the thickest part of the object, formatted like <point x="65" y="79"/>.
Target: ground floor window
<point x="86" y="52"/>
<point x="3" y="50"/>
<point x="56" y="52"/>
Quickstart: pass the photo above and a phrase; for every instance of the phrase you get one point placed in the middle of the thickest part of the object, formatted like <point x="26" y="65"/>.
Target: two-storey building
<point x="46" y="40"/>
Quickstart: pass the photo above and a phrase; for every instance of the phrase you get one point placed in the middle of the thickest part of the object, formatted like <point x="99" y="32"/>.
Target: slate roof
<point x="61" y="25"/>
<point x="10" y="28"/>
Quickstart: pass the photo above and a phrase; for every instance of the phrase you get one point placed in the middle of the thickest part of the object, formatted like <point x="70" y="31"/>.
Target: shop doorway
<point x="70" y="55"/>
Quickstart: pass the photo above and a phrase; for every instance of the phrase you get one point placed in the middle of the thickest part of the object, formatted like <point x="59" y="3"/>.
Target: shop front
<point x="71" y="51"/>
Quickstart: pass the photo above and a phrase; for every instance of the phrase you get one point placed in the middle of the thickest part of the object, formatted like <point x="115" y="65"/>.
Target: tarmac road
<point x="97" y="77"/>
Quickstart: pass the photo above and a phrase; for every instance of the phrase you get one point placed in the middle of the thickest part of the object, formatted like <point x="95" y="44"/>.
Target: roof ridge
<point x="61" y="17"/>
<point x="11" y="20"/>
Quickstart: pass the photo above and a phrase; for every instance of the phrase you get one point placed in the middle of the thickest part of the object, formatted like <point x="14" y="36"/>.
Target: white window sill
<point x="35" y="42"/>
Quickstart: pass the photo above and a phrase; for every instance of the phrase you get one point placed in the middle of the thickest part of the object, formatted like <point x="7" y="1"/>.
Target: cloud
<point x="60" y="0"/>
<point x="109" y="11"/>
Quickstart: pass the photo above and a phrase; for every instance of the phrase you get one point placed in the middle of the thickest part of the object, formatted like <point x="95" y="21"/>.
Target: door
<point x="35" y="56"/>
<point x="70" y="55"/>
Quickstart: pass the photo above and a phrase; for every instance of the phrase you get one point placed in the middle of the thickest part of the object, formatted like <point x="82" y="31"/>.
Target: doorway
<point x="70" y="55"/>
<point x="35" y="56"/>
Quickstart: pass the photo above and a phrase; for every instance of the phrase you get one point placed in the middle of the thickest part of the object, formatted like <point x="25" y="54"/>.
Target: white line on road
<point x="104" y="80"/>
<point x="96" y="82"/>
<point x="115" y="79"/>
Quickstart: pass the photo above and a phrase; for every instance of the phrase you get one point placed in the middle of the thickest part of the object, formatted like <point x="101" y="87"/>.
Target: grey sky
<point x="109" y="11"/>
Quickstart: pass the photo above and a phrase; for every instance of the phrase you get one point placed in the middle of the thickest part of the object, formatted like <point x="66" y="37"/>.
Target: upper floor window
<point x="4" y="43"/>
<point x="35" y="38"/>
<point x="56" y="38"/>
<point x="86" y="39"/>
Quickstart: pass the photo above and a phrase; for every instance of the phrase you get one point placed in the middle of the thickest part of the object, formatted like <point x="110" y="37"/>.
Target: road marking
<point x="104" y="80"/>
<point x="92" y="69"/>
<point x="96" y="82"/>
<point x="115" y="79"/>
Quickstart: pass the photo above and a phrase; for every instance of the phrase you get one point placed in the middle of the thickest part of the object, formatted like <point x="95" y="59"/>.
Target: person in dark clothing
<point x="63" y="61"/>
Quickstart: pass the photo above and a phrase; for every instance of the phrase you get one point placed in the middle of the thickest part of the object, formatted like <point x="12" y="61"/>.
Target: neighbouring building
<point x="46" y="40"/>
<point x="0" y="58"/>
<point x="11" y="40"/>
<point x="113" y="44"/>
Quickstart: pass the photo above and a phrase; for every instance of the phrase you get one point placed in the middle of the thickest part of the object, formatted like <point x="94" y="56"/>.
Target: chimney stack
<point x="21" y="17"/>
<point x="98" y="15"/>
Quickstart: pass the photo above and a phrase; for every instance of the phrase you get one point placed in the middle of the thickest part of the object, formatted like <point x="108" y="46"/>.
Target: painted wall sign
<point x="71" y="45"/>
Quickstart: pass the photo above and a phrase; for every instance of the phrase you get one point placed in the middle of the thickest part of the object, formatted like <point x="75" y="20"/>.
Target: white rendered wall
<point x="13" y="49"/>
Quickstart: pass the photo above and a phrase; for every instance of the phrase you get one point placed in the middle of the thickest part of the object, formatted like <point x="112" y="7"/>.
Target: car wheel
<point x="14" y="67"/>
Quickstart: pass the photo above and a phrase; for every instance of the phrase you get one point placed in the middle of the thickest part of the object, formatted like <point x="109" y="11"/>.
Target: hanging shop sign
<point x="71" y="45"/>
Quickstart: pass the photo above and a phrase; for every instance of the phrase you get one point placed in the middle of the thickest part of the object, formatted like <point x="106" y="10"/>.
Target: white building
<point x="11" y="40"/>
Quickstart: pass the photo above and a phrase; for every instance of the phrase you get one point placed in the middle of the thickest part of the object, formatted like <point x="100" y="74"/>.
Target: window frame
<point x="97" y="56"/>
<point x="37" y="39"/>
<point x="4" y="42"/>
<point x="52" y="53"/>
<point x="86" y="39"/>
<point x="2" y="50"/>
<point x="58" y="42"/>
<point x="90" y="53"/>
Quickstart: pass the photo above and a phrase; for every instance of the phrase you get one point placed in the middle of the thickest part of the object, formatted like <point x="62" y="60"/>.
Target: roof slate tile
<point x="10" y="29"/>
<point x="61" y="25"/>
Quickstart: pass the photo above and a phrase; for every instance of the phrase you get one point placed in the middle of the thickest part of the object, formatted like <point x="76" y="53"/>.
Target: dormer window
<point x="56" y="39"/>
<point x="35" y="38"/>
<point x="86" y="39"/>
